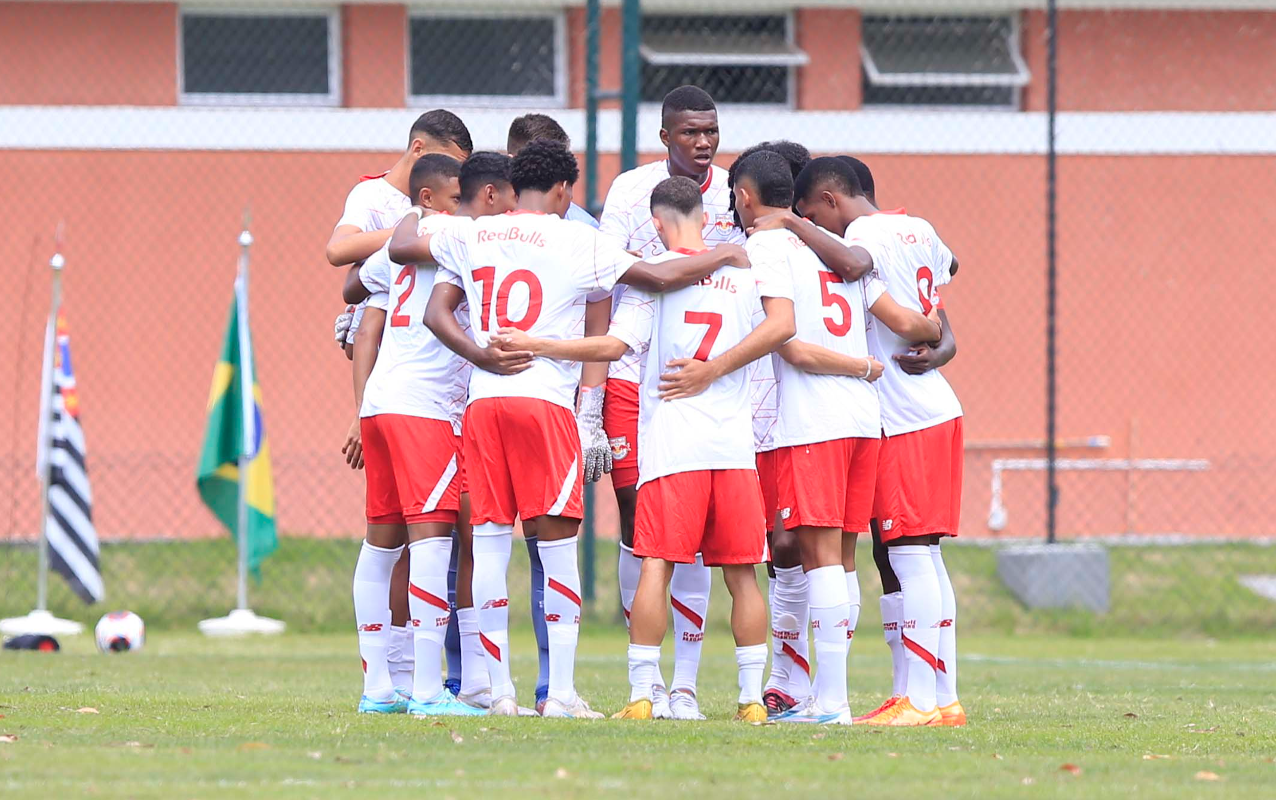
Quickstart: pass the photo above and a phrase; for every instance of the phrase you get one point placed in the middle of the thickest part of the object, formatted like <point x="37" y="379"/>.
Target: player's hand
<point x="514" y="339"/>
<point x="595" y="449"/>
<point x="353" y="448"/>
<point x="505" y="362"/>
<point x="687" y="377"/>
<point x="933" y="316"/>
<point x="775" y="221"/>
<point x="734" y="254"/>
<point x="920" y="359"/>
<point x="875" y="369"/>
<point x="341" y="326"/>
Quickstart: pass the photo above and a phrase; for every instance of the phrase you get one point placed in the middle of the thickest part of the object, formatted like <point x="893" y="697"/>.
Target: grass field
<point x="1050" y="717"/>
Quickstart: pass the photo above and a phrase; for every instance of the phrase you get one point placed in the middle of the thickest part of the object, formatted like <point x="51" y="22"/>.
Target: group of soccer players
<point x="756" y="399"/>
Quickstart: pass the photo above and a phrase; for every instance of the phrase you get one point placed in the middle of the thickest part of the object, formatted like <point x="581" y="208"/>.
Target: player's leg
<point x="911" y="560"/>
<point x="789" y="684"/>
<point x="400" y="653"/>
<point x="475" y="688"/>
<point x="647" y="623"/>
<point x="945" y="442"/>
<point x="861" y="480"/>
<point x="946" y="679"/>
<point x="689" y="596"/>
<point x="538" y="612"/>
<point x="452" y="642"/>
<point x="892" y="607"/>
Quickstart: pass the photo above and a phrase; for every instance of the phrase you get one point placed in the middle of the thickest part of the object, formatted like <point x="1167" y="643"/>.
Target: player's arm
<point x="367" y="343"/>
<point x="406" y="246"/>
<point x="354" y="290"/>
<point x="440" y="318"/>
<point x="350" y="244"/>
<point x="692" y="377"/>
<point x="925" y="357"/>
<point x="907" y="324"/>
<point x="597" y="320"/>
<point x="678" y="273"/>
<point x="591" y="350"/>
<point x="852" y="262"/>
<point x="823" y="361"/>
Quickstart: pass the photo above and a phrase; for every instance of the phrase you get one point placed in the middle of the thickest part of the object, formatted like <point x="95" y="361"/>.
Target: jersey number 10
<point x="486" y="278"/>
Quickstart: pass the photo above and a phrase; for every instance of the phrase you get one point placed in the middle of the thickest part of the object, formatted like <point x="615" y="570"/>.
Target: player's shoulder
<point x="718" y="177"/>
<point x="772" y="242"/>
<point x="437" y="223"/>
<point x="641" y="178"/>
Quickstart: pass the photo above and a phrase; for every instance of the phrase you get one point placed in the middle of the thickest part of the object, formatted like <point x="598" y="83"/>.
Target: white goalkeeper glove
<point x="341" y="326"/>
<point x="593" y="441"/>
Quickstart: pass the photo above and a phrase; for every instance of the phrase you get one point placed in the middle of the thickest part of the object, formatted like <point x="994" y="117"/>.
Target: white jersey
<point x="764" y="399"/>
<point x="374" y="205"/>
<point x="415" y="374"/>
<point x="627" y="218"/>
<point x="712" y="430"/>
<point x="830" y="313"/>
<point x="912" y="261"/>
<point x="529" y="271"/>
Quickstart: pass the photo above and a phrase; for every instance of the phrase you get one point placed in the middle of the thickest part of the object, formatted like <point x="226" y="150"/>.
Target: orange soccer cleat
<point x="751" y="712"/>
<point x="890" y="701"/>
<point x="638" y="709"/>
<point x="902" y="714"/>
<point x="953" y="715"/>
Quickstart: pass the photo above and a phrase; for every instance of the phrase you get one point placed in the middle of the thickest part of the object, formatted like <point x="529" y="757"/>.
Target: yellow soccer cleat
<point x="902" y="714"/>
<point x="638" y="709"/>
<point x="751" y="712"/>
<point x="953" y="715"/>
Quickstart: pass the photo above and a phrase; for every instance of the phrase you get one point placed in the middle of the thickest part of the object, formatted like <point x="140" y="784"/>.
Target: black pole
<point x="631" y="80"/>
<point x="1052" y="76"/>
<point x="591" y="106"/>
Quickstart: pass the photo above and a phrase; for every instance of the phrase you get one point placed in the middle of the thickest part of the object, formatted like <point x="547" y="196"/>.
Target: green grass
<point x="194" y="718"/>
<point x="1157" y="592"/>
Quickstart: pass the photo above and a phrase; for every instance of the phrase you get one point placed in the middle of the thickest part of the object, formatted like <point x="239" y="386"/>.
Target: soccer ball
<point x="119" y="631"/>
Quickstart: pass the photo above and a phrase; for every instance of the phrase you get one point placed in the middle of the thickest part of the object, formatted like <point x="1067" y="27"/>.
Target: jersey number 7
<point x="714" y="321"/>
<point x="486" y="277"/>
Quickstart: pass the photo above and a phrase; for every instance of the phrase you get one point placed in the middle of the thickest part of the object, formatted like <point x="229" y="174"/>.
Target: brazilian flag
<point x="226" y="442"/>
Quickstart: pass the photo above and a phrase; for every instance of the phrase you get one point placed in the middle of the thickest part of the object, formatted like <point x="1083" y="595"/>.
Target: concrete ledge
<point x="1057" y="575"/>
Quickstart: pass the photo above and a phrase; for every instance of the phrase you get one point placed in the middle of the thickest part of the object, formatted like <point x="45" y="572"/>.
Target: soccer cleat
<point x="902" y="714"/>
<point x="953" y="715"/>
<point x="638" y="709"/>
<point x="395" y="705"/>
<point x="751" y="712"/>
<point x="576" y="709"/>
<point x="453" y="686"/>
<point x="404" y="693"/>
<point x="540" y="707"/>
<point x="660" y="703"/>
<point x="444" y="704"/>
<point x="479" y="699"/>
<point x="683" y="705"/>
<point x="812" y="714"/>
<point x="890" y="701"/>
<point x="505" y="706"/>
<point x="777" y="702"/>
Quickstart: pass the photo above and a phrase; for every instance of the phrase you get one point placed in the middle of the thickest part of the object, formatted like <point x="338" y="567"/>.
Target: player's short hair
<point x="685" y="98"/>
<point x="830" y="172"/>
<point x="442" y="125"/>
<point x="678" y="193"/>
<point x="531" y="127"/>
<point x="429" y="168"/>
<point x="862" y="173"/>
<point x="541" y="164"/>
<point x="481" y="169"/>
<point x="796" y="154"/>
<point x="769" y="173"/>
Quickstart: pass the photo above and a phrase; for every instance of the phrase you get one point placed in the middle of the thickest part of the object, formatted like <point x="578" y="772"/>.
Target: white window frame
<point x="331" y="98"/>
<point x="790" y="37"/>
<point x="1017" y="82"/>
<point x="557" y="100"/>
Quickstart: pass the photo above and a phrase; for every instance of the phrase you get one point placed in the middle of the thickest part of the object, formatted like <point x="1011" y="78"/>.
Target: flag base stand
<point x="40" y="621"/>
<point x="241" y="622"/>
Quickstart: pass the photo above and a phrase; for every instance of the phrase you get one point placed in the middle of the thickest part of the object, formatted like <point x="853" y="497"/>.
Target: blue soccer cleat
<point x="444" y="704"/>
<point x="812" y="714"/>
<point x="395" y="705"/>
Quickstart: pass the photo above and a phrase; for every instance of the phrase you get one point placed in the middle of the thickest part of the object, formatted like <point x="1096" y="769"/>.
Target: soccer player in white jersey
<point x="689" y="132"/>
<point x="829" y="421"/>
<point x="371" y="210"/>
<point x="918" y="493"/>
<point x="532" y="270"/>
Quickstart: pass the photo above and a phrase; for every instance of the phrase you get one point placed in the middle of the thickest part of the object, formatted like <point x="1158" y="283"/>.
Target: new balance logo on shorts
<point x="887" y="524"/>
<point x="500" y="602"/>
<point x="785" y="513"/>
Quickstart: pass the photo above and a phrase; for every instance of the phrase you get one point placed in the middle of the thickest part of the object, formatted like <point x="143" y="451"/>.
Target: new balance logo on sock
<point x="843" y="623"/>
<point x="945" y="623"/>
<point x="416" y="623"/>
<point x="500" y="602"/>
<point x="371" y="627"/>
<point x="553" y="617"/>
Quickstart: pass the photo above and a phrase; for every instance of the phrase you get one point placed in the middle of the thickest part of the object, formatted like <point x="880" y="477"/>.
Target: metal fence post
<point x="1052" y="76"/>
<point x="631" y="83"/>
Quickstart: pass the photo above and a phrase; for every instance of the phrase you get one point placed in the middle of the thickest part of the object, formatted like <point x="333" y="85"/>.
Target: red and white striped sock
<point x="922" y="613"/>
<point x="372" y="616"/>
<point x="492" y="544"/>
<point x="689" y="595"/>
<point x="427" y="603"/>
<point x="853" y="597"/>
<point x="892" y="606"/>
<point x="474" y="678"/>
<point x="946" y="679"/>
<point x="562" y="614"/>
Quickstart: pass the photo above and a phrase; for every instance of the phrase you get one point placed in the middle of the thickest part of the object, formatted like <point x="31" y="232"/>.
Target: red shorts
<point x="717" y="513"/>
<point x="919" y="482"/>
<point x="620" y="423"/>
<point x="522" y="459"/>
<point x="827" y="484"/>
<point x="413" y="468"/>
<point x="766" y="477"/>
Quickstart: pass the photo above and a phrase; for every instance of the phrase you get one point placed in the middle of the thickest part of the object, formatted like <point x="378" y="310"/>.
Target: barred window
<point x="487" y="58"/>
<point x="737" y="59"/>
<point x="271" y="57"/>
<point x="942" y="61"/>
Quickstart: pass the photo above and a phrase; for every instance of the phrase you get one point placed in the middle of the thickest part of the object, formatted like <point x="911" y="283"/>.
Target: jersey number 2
<point x="714" y="321"/>
<point x="398" y="320"/>
<point x="486" y="277"/>
<point x="830" y="299"/>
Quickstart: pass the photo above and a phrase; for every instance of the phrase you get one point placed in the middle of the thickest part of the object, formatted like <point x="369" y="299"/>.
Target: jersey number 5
<point x="486" y="277"/>
<point x="398" y="320"/>
<point x="714" y="321"/>
<point x="831" y="299"/>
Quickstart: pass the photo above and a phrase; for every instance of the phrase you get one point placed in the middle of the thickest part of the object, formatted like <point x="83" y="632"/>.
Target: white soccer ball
<point x="120" y="631"/>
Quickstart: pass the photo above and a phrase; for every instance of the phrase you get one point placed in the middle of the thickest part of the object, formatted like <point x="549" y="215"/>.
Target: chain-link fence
<point x="149" y="130"/>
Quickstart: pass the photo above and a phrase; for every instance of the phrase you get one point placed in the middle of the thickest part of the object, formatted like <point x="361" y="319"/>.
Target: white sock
<point x="751" y="661"/>
<point x="689" y="596"/>
<point x="627" y="572"/>
<point x="492" y="544"/>
<point x="920" y="629"/>
<point x="830" y="617"/>
<point x="853" y="597"/>
<point x="892" y="606"/>
<point x="372" y="616"/>
<point x="946" y="678"/>
<point x="427" y="602"/>
<point x="562" y="614"/>
<point x="401" y="658"/>
<point x="644" y="660"/>
<point x="791" y="651"/>
<point x="473" y="661"/>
